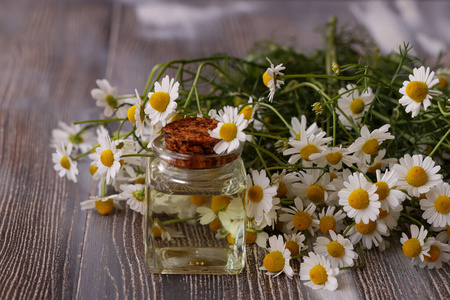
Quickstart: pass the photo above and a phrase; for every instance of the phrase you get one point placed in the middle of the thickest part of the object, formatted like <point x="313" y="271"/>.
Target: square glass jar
<point x="195" y="221"/>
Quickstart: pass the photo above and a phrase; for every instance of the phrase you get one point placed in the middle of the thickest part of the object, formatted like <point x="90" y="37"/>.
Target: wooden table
<point x="51" y="53"/>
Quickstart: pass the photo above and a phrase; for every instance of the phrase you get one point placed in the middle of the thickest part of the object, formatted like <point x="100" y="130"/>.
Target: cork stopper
<point x="187" y="144"/>
<point x="190" y="136"/>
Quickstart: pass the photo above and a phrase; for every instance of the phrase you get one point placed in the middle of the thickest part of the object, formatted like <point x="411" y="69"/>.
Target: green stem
<point x="411" y="218"/>
<point x="99" y="121"/>
<point x="363" y="260"/>
<point x="439" y="143"/>
<point x="348" y="229"/>
<point x="104" y="189"/>
<point x="140" y="155"/>
<point x="267" y="136"/>
<point x="279" y="115"/>
<point x="179" y="220"/>
<point x="254" y="230"/>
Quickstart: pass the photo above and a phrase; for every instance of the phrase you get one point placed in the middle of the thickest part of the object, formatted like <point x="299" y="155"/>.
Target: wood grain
<point x="50" y="55"/>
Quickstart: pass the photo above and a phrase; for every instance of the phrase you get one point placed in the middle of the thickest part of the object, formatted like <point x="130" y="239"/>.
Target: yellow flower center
<point x="266" y="79"/>
<point x="334" y="157"/>
<point x="215" y="225"/>
<point x="139" y="195"/>
<point x="442" y="204"/>
<point x="417" y="90"/>
<point x="327" y="223"/>
<point x="282" y="190"/>
<point x="247" y="111"/>
<point x="104" y="207"/>
<point x="107" y="158"/>
<point x="318" y="108"/>
<point x="156" y="232"/>
<point x="65" y="163"/>
<point x="373" y="169"/>
<point x="412" y="248"/>
<point x="417" y="176"/>
<point x="250" y="237"/>
<point x="306" y="151"/>
<point x="333" y="176"/>
<point x="93" y="169"/>
<point x="357" y="106"/>
<point x="315" y="193"/>
<point x="140" y="180"/>
<point x="255" y="194"/>
<point x="198" y="199"/>
<point x="274" y="262"/>
<point x="443" y="83"/>
<point x="111" y="101"/>
<point x="159" y="101"/>
<point x="130" y="114"/>
<point x="434" y="252"/>
<point x="366" y="228"/>
<point x="230" y="239"/>
<point x="176" y="117"/>
<point x="302" y="220"/>
<point x="293" y="247"/>
<point x="370" y="146"/>
<point x="318" y="275"/>
<point x="383" y="214"/>
<point x="335" y="249"/>
<point x="358" y="199"/>
<point x="382" y="190"/>
<point x="228" y="132"/>
<point x="219" y="203"/>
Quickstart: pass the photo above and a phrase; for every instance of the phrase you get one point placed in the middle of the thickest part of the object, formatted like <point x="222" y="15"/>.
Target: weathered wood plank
<point x="47" y="64"/>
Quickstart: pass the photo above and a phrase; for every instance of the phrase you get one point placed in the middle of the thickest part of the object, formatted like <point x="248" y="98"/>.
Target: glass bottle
<point x="195" y="212"/>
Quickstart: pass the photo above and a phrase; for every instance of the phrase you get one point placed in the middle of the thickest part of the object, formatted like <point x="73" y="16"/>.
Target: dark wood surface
<point x="51" y="53"/>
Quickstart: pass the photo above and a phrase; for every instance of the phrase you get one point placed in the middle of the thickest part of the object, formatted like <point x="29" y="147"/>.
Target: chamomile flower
<point x="329" y="220"/>
<point x="416" y="248"/>
<point x="444" y="234"/>
<point x="159" y="231"/>
<point x="64" y="165"/>
<point x="229" y="130"/>
<point x="285" y="182"/>
<point x="443" y="77"/>
<point x="136" y="115"/>
<point x="436" y="206"/>
<point x="338" y="250"/>
<point x="306" y="146"/>
<point x="104" y="205"/>
<point x="317" y="269"/>
<point x="314" y="186"/>
<point x="300" y="127"/>
<point x="417" y="175"/>
<point x="354" y="104"/>
<point x="270" y="78"/>
<point x="334" y="157"/>
<point x="388" y="195"/>
<point x="294" y="243"/>
<point x="418" y="90"/>
<point x="298" y="218"/>
<point x="359" y="199"/>
<point x="260" y="195"/>
<point x="107" y="157"/>
<point x="439" y="253"/>
<point x="277" y="260"/>
<point x="370" y="233"/>
<point x="389" y="216"/>
<point x="369" y="142"/>
<point x="106" y="96"/>
<point x="134" y="194"/>
<point x="73" y="134"/>
<point x="212" y="216"/>
<point x="161" y="102"/>
<point x="255" y="234"/>
<point x="249" y="111"/>
<point x="379" y="163"/>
